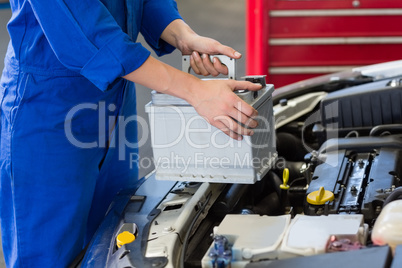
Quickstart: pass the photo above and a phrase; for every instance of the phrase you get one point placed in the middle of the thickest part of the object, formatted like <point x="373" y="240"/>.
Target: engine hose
<point x="376" y="131"/>
<point x="393" y="196"/>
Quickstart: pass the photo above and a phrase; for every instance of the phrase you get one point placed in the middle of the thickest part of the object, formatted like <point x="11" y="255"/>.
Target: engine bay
<point x="339" y="145"/>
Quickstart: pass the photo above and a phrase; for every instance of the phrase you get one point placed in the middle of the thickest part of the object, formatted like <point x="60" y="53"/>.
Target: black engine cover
<point x="360" y="178"/>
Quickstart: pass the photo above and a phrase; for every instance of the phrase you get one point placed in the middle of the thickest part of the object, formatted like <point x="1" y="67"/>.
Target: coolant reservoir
<point x="388" y="227"/>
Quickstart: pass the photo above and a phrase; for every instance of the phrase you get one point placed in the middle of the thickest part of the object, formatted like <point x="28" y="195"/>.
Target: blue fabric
<point x="63" y="67"/>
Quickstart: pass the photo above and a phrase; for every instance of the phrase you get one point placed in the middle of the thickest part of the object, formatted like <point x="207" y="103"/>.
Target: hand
<point x="217" y="103"/>
<point x="201" y="64"/>
<point x="180" y="35"/>
<point x="212" y="99"/>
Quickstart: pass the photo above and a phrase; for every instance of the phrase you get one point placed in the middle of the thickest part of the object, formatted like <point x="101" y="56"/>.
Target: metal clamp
<point x="229" y="62"/>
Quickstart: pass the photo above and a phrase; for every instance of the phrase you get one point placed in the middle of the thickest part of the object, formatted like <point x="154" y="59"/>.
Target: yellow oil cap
<point x="124" y="238"/>
<point x="320" y="197"/>
<point x="285" y="179"/>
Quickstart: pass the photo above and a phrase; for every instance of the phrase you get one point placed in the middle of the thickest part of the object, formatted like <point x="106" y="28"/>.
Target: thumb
<point x="245" y="85"/>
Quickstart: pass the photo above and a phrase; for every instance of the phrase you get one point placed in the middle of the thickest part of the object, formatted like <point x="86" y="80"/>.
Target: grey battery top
<point x="254" y="98"/>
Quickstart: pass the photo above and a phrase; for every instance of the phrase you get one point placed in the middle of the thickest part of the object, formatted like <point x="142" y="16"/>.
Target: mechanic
<point x="67" y="53"/>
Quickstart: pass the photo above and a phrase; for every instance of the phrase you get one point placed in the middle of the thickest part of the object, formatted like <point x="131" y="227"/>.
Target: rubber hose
<point x="393" y="196"/>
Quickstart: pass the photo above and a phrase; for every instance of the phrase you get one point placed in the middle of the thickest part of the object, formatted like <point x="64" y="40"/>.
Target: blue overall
<point x="63" y="155"/>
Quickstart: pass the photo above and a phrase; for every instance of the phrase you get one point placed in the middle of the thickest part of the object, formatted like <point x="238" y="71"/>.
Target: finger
<point x="227" y="131"/>
<point x="219" y="66"/>
<point x="228" y="51"/>
<point x="245" y="108"/>
<point x="234" y="126"/>
<point x="200" y="65"/>
<point x="237" y="85"/>
<point x="219" y="125"/>
<point x="193" y="65"/>
<point x="242" y="118"/>
<point x="208" y="65"/>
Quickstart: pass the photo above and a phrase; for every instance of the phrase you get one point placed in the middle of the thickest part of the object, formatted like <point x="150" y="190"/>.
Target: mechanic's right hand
<point x="212" y="99"/>
<point x="216" y="102"/>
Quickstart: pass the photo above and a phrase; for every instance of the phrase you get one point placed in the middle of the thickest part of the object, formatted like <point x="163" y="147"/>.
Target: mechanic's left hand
<point x="181" y="36"/>
<point x="200" y="48"/>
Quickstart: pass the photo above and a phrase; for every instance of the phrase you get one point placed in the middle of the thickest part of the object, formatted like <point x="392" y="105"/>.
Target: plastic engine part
<point x="359" y="179"/>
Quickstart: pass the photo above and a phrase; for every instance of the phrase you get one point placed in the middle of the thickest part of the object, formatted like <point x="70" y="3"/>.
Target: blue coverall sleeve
<point x="86" y="39"/>
<point x="157" y="15"/>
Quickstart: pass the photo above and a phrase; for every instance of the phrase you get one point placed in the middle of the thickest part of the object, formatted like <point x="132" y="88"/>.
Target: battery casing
<point x="187" y="148"/>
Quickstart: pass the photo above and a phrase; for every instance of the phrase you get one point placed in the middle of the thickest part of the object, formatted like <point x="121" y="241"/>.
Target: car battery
<point x="187" y="148"/>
